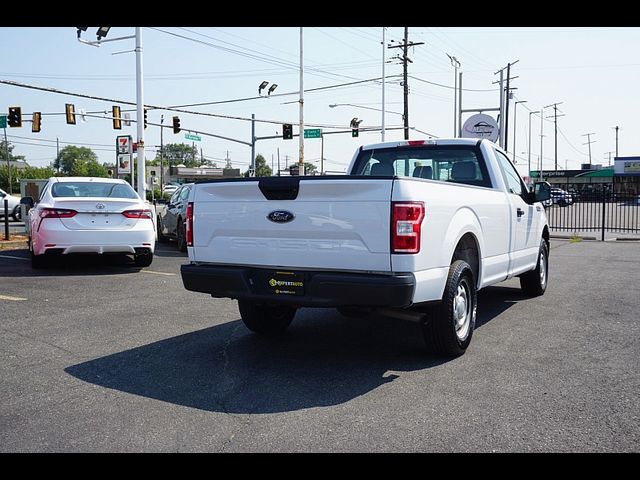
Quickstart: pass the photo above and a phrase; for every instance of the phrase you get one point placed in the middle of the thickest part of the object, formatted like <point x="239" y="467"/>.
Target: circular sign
<point x="481" y="126"/>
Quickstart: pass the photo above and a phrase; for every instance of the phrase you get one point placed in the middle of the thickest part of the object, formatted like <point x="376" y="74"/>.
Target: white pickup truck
<point x="414" y="230"/>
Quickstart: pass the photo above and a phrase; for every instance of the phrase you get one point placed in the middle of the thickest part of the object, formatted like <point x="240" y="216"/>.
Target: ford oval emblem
<point x="100" y="206"/>
<point x="281" y="216"/>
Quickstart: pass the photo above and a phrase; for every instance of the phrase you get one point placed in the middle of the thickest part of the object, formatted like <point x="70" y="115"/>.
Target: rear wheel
<point x="143" y="259"/>
<point x="534" y="283"/>
<point x="17" y="213"/>
<point x="181" y="237"/>
<point x="266" y="319"/>
<point x="449" y="327"/>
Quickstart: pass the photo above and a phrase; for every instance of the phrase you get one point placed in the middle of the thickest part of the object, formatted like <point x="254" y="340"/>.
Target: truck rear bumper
<point x="321" y="289"/>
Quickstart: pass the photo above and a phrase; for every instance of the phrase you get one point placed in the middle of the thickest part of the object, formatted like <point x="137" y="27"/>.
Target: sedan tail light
<point x="57" y="213"/>
<point x="138" y="214"/>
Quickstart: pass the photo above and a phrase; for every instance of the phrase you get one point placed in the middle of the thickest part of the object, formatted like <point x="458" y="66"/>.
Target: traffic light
<point x="176" y="124"/>
<point x="145" y="118"/>
<point x="115" y="113"/>
<point x="70" y="110"/>
<point x="36" y="123"/>
<point x="355" y="125"/>
<point x="15" y="117"/>
<point x="287" y="131"/>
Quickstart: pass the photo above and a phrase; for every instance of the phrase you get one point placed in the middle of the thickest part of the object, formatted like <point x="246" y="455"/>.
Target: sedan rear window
<point x="93" y="189"/>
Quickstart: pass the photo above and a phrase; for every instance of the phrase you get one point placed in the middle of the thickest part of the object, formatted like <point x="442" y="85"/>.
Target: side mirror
<point x="28" y="201"/>
<point x="541" y="191"/>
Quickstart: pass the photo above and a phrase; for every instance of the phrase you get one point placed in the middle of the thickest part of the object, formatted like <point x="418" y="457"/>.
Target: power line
<point x="449" y="86"/>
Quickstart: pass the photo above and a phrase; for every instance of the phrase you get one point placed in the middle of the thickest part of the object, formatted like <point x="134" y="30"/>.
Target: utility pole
<point x="321" y="154"/>
<point x="541" y="137"/>
<point x="555" y="121"/>
<point x="589" y="142"/>
<point x="502" y="138"/>
<point x="605" y="154"/>
<point x="57" y="148"/>
<point x="455" y="64"/>
<point x="617" y="128"/>
<point x="301" y="130"/>
<point x="405" y="59"/>
<point x="253" y="146"/>
<point x="460" y="105"/>
<point x="506" y="115"/>
<point x="278" y="161"/>
<point x="383" y="84"/>
<point x="161" y="154"/>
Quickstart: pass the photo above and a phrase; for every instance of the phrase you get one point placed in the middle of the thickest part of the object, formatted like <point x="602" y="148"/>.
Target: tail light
<point x="57" y="213"/>
<point x="138" y="214"/>
<point x="189" y="235"/>
<point x="406" y="222"/>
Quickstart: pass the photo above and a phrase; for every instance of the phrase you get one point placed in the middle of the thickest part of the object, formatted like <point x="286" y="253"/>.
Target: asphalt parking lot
<point x="99" y="356"/>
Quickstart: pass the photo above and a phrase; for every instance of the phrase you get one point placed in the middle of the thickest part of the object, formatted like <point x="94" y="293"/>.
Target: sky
<point x="592" y="72"/>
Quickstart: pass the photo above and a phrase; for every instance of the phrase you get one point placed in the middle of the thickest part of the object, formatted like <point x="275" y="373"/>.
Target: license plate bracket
<point x="285" y="283"/>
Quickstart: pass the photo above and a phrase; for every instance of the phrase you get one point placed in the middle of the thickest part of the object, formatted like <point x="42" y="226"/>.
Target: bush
<point x="156" y="195"/>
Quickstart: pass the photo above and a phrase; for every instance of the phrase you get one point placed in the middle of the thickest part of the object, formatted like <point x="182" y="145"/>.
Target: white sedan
<point x="90" y="215"/>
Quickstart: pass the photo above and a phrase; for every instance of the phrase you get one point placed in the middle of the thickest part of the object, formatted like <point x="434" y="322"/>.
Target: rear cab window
<point x="462" y="164"/>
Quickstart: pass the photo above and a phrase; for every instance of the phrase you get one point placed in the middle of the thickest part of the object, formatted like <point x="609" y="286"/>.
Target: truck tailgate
<point x="326" y="223"/>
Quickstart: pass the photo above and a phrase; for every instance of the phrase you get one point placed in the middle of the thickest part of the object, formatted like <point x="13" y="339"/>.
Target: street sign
<point x="3" y="121"/>
<point x="123" y="144"/>
<point x="189" y="136"/>
<point x="312" y="133"/>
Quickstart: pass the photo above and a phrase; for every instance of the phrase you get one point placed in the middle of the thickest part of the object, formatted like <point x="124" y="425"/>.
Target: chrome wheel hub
<point x="462" y="310"/>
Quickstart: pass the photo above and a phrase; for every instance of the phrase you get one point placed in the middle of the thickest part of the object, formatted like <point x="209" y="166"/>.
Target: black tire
<point x="17" y="214"/>
<point x="264" y="318"/>
<point x="445" y="332"/>
<point x="181" y="235"/>
<point x="534" y="283"/>
<point x="143" y="259"/>
<point x="162" y="238"/>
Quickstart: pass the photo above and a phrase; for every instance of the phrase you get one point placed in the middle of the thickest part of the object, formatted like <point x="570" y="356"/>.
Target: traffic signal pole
<point x="140" y="115"/>
<point x="6" y="150"/>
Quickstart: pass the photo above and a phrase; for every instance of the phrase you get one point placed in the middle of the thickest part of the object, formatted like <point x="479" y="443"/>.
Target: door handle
<point x="519" y="212"/>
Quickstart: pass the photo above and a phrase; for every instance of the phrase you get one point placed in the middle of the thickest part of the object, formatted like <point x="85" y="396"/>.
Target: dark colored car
<point x="172" y="218"/>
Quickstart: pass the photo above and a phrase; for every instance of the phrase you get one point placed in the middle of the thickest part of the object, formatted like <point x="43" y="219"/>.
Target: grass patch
<point x="575" y="238"/>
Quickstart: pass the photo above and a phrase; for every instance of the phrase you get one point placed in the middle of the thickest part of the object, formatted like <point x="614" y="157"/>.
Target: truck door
<point x="523" y="248"/>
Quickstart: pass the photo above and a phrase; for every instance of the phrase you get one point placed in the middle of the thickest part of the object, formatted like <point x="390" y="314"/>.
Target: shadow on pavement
<point x="66" y="265"/>
<point x="323" y="359"/>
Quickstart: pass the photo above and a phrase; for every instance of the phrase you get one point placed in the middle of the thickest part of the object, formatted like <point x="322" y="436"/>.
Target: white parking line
<point x="14" y="299"/>
<point x="11" y="256"/>
<point x="157" y="273"/>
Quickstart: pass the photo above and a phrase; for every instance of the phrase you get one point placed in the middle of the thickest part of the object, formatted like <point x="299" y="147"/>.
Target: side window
<point x="184" y="194"/>
<point x="510" y="175"/>
<point x="175" y="197"/>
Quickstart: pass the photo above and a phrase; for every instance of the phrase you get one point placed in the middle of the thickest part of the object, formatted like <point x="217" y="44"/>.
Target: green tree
<point x="16" y="175"/>
<point x="3" y="152"/>
<point x="76" y="161"/>
<point x="309" y="168"/>
<point x="262" y="170"/>
<point x="176" y="154"/>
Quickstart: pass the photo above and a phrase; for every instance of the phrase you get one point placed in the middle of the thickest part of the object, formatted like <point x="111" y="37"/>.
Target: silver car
<point x="14" y="205"/>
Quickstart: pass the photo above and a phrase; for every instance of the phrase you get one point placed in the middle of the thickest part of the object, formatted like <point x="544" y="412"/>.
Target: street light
<point x="455" y="64"/>
<point x="262" y="86"/>
<point x="530" y="113"/>
<point x="515" y="114"/>
<point x="102" y="32"/>
<point x="272" y="88"/>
